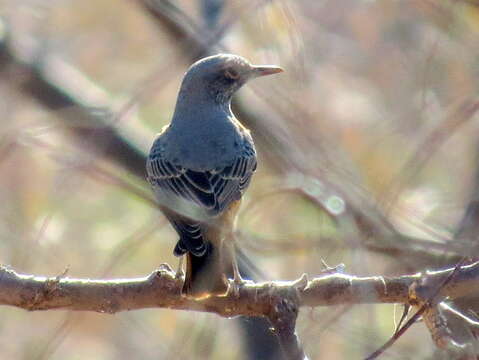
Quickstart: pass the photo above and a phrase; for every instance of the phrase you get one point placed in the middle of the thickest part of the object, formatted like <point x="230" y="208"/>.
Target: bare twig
<point x="427" y="303"/>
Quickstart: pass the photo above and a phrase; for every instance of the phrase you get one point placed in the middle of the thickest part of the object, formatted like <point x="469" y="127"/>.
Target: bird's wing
<point x="230" y="182"/>
<point x="211" y="191"/>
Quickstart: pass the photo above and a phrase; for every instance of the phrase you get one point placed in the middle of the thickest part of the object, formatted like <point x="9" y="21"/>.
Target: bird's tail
<point x="205" y="274"/>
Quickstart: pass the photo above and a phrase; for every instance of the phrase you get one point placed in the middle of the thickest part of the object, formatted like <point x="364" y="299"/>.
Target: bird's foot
<point x="235" y="285"/>
<point x="180" y="274"/>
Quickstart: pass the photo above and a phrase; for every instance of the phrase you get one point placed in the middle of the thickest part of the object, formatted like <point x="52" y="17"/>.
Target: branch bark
<point x="276" y="301"/>
<point x="161" y="289"/>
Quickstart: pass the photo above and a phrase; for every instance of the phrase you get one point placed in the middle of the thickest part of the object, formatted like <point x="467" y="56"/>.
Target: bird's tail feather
<point x="205" y="275"/>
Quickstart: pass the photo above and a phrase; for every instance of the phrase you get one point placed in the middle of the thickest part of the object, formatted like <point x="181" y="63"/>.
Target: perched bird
<point x="199" y="167"/>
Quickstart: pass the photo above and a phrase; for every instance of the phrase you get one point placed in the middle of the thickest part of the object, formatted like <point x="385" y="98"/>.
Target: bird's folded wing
<point x="211" y="190"/>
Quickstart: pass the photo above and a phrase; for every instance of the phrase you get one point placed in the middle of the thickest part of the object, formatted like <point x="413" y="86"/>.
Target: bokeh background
<point x="368" y="147"/>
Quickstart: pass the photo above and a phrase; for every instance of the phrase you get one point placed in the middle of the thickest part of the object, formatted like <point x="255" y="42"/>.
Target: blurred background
<point x="368" y="156"/>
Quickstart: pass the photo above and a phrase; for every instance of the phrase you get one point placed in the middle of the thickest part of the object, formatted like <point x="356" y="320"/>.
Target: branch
<point x="279" y="302"/>
<point x="161" y="289"/>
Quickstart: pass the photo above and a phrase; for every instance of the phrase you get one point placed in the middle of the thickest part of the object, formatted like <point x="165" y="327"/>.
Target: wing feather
<point x="211" y="191"/>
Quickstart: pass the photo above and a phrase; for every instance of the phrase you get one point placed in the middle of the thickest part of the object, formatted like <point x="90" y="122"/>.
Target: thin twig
<point x="426" y="304"/>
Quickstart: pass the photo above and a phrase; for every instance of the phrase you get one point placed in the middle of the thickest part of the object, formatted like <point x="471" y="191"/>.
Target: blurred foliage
<point x="363" y="116"/>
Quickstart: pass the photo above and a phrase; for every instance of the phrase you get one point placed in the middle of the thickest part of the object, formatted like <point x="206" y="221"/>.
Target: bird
<point x="199" y="167"/>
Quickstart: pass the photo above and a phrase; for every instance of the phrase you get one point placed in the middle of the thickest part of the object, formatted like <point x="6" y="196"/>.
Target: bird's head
<point x="220" y="76"/>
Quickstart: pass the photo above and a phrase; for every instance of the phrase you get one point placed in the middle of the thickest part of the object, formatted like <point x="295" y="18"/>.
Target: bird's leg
<point x="179" y="270"/>
<point x="238" y="280"/>
<point x="235" y="284"/>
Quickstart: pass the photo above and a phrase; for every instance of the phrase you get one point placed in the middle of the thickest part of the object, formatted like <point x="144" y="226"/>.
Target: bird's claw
<point x="179" y="274"/>
<point x="234" y="286"/>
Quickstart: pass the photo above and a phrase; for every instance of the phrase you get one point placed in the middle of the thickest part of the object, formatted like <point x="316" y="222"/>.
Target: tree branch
<point x="279" y="302"/>
<point x="161" y="289"/>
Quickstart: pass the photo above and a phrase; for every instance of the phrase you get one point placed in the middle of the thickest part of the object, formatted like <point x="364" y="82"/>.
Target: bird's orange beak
<point x="262" y="70"/>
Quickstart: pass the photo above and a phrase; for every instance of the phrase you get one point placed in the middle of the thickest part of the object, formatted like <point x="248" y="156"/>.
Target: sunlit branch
<point x="273" y="300"/>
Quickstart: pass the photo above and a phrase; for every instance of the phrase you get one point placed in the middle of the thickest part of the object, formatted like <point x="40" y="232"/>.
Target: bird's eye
<point x="232" y="74"/>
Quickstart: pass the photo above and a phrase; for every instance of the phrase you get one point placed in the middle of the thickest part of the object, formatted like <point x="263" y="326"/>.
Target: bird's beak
<point x="262" y="70"/>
